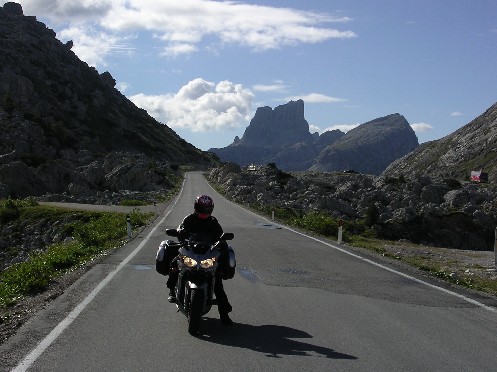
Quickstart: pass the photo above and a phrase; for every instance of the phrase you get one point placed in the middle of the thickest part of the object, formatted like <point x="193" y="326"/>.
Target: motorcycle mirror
<point x="227" y="236"/>
<point x="172" y="232"/>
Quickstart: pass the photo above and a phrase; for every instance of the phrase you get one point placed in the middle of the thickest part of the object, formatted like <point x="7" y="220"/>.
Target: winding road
<point x="300" y="304"/>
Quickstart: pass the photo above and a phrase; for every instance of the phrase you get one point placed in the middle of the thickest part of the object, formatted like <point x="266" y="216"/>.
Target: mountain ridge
<point x="282" y="136"/>
<point x="67" y="129"/>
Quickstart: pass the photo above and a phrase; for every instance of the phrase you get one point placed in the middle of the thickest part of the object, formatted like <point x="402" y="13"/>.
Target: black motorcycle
<point x="198" y="260"/>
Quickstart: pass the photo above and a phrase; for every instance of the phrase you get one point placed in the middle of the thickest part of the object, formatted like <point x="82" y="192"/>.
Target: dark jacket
<point x="193" y="224"/>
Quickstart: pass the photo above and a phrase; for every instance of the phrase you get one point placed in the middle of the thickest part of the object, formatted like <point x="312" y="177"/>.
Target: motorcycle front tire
<point x="195" y="311"/>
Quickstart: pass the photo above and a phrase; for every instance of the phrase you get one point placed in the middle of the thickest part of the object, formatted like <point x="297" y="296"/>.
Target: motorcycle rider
<point x="202" y="221"/>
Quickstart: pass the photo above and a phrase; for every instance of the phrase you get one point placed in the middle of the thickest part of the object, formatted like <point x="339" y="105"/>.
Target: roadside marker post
<point x="128" y="225"/>
<point x="340" y="231"/>
<point x="272" y="215"/>
<point x="495" y="248"/>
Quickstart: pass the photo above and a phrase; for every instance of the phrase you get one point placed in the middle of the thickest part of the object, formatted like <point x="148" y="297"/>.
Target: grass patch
<point x="133" y="203"/>
<point x="93" y="233"/>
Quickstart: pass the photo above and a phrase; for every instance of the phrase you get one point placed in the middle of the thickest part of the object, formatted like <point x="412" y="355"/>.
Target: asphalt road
<point x="300" y="304"/>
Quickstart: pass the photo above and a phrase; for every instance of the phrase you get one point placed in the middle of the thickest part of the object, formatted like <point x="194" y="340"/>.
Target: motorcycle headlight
<point x="189" y="262"/>
<point x="208" y="263"/>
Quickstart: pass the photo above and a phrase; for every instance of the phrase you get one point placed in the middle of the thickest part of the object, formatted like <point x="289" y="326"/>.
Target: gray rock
<point x="421" y="210"/>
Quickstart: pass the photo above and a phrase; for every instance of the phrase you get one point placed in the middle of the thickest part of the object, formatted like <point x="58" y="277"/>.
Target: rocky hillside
<point x="472" y="147"/>
<point x="445" y="213"/>
<point x="281" y="136"/>
<point x="65" y="129"/>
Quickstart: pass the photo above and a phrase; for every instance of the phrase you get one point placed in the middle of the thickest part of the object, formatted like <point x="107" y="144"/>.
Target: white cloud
<point x="63" y="11"/>
<point x="201" y="106"/>
<point x="456" y="113"/>
<point x="122" y="86"/>
<point x="421" y="127"/>
<point x="92" y="45"/>
<point x="315" y="98"/>
<point x="343" y="127"/>
<point x="176" y="49"/>
<point x="183" y="25"/>
<point x="314" y="128"/>
<point x="277" y="86"/>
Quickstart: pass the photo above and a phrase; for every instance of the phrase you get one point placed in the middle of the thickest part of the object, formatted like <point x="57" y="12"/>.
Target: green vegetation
<point x="93" y="234"/>
<point x="317" y="222"/>
<point x="133" y="203"/>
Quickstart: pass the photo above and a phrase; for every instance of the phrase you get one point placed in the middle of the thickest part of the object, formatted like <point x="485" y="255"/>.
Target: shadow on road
<point x="272" y="340"/>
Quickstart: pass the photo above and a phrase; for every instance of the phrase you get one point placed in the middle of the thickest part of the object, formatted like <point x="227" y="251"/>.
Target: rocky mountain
<point x="281" y="136"/>
<point x="65" y="129"/>
<point x="285" y="125"/>
<point x="472" y="147"/>
<point x="370" y="147"/>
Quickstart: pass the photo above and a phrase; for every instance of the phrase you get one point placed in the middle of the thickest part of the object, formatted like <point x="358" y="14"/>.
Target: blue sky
<point x="203" y="67"/>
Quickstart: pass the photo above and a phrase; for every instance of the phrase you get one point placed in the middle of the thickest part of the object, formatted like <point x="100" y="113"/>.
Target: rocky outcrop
<point x="472" y="147"/>
<point x="370" y="147"/>
<point x="285" y="125"/>
<point x="64" y="127"/>
<point x="282" y="137"/>
<point x="423" y="210"/>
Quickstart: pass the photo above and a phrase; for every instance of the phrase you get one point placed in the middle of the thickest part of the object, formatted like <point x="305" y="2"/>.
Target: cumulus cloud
<point x="200" y="106"/>
<point x="315" y="98"/>
<point x="421" y="127"/>
<point x="183" y="25"/>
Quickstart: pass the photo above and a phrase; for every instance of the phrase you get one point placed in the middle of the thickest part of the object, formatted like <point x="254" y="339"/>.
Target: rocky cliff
<point x="66" y="129"/>
<point x="282" y="137"/>
<point x="472" y="147"/>
<point x="285" y="125"/>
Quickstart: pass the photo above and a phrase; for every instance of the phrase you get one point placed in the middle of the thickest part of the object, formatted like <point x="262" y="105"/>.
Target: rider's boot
<point x="225" y="319"/>
<point x="172" y="296"/>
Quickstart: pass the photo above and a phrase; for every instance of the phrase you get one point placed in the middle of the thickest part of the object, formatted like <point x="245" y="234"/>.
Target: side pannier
<point x="168" y="250"/>
<point x="227" y="263"/>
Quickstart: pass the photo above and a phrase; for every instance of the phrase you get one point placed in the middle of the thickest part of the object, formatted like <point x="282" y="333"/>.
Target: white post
<point x="495" y="248"/>
<point x="340" y="231"/>
<point x="128" y="225"/>
<point x="272" y="215"/>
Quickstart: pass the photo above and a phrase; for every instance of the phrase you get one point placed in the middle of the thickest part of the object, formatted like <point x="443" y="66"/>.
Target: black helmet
<point x="203" y="204"/>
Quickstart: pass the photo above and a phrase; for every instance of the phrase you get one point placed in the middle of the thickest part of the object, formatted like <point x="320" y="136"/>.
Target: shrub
<point x="9" y="211"/>
<point x="372" y="215"/>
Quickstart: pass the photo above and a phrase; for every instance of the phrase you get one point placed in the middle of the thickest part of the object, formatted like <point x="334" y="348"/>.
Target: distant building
<point x="479" y="176"/>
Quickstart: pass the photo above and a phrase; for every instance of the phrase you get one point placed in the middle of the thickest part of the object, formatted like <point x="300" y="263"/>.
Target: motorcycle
<point x="197" y="260"/>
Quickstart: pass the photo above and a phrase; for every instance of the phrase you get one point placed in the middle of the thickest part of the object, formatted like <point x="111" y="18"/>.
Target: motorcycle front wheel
<point x="195" y="311"/>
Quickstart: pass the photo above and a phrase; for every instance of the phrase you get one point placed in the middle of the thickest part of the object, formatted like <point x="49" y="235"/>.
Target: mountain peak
<point x="285" y="124"/>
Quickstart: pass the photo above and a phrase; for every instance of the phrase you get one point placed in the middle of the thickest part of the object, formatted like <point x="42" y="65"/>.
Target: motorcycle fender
<point x="203" y="287"/>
